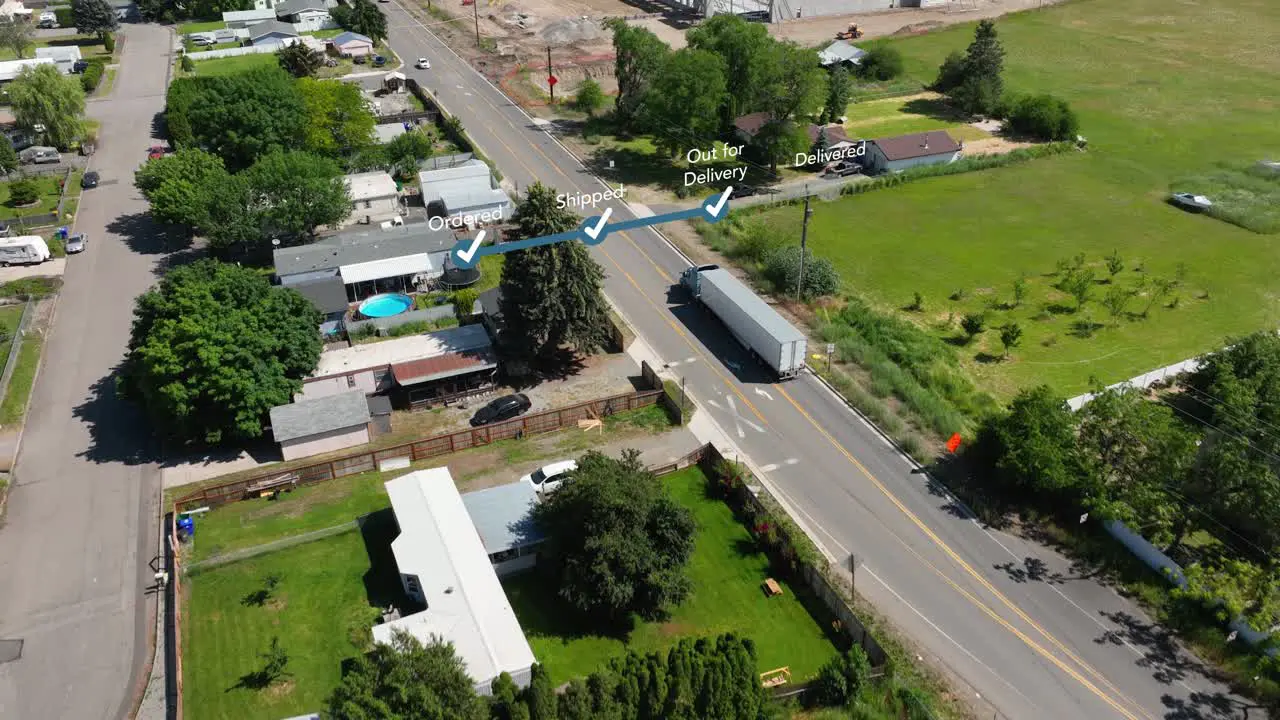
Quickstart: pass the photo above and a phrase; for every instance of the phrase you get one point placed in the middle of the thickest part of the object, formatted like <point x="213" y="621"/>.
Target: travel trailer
<point x="24" y="250"/>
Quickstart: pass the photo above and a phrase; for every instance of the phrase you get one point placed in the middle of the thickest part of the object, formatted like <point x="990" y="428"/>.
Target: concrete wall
<point x="339" y="439"/>
<point x="900" y="165"/>
<point x="325" y="387"/>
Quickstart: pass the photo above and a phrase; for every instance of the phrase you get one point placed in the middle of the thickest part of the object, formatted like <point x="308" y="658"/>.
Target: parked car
<point x="548" y="478"/>
<point x="89" y="179"/>
<point x="423" y="64"/>
<point x="47" y="24"/>
<point x="379" y="61"/>
<point x="842" y="168"/>
<point x="360" y="59"/>
<point x="156" y="151"/>
<point x="201" y="39"/>
<point x="39" y="155"/>
<point x="79" y="66"/>
<point x="76" y="243"/>
<point x="1189" y="201"/>
<point x="504" y="408"/>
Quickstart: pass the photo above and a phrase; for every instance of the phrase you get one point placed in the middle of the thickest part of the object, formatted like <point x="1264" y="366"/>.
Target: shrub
<point x="109" y="42"/>
<point x="188" y="65"/>
<point x="882" y="62"/>
<point x="755" y="240"/>
<point x="23" y="192"/>
<point x="1044" y="117"/>
<point x="973" y="323"/>
<point x="64" y="17"/>
<point x="92" y="75"/>
<point x="589" y="97"/>
<point x="842" y="678"/>
<point x="950" y="72"/>
<point x="464" y="301"/>
<point x="782" y="268"/>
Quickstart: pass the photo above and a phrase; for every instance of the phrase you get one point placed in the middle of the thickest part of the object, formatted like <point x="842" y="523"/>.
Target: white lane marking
<point x="769" y="468"/>
<point x="691" y="359"/>
<point x="762" y="392"/>
<point x="790" y="461"/>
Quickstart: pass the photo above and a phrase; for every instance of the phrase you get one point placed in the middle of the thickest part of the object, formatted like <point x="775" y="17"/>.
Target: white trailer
<point x="23" y="250"/>
<point x="760" y="329"/>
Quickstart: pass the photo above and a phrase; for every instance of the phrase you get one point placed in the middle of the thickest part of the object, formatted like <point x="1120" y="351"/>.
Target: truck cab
<point x="689" y="278"/>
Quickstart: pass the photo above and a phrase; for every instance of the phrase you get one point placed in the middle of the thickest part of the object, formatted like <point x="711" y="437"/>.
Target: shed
<point x="467" y="189"/>
<point x="318" y="425"/>
<point x="329" y="297"/>
<point x="896" y="154"/>
<point x="444" y="566"/>
<point x="349" y="44"/>
<point x="374" y="197"/>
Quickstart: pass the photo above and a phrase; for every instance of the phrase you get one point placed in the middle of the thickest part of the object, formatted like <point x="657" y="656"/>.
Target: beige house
<point x="374" y="197"/>
<point x="319" y="425"/>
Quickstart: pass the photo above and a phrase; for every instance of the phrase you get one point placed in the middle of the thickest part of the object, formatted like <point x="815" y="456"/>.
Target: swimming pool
<point x="380" y="306"/>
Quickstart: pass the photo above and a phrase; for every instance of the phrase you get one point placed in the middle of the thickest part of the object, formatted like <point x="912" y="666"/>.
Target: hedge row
<point x="963" y="165"/>
<point x="93" y="74"/>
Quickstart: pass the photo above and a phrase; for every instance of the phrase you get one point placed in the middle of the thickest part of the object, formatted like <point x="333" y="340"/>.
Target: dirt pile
<point x="572" y="30"/>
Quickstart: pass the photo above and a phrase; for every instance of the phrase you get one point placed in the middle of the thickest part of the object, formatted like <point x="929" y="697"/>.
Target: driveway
<point x="53" y="268"/>
<point x="81" y="525"/>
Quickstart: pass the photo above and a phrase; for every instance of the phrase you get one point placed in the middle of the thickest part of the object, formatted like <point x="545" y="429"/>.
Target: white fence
<point x="255" y="49"/>
<point x="1142" y="381"/>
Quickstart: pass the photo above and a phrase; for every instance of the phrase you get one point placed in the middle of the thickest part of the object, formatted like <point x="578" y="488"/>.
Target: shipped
<point x="749" y="319"/>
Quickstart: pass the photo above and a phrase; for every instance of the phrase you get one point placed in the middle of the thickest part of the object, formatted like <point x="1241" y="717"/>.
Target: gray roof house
<point x="322" y="424"/>
<point x="292" y="7"/>
<point x="368" y="260"/>
<point x="271" y="32"/>
<point x="503" y="517"/>
<point x="466" y="188"/>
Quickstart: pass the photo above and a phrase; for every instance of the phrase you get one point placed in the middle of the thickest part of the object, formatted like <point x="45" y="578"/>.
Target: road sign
<point x="831" y="348"/>
<point x="552" y="80"/>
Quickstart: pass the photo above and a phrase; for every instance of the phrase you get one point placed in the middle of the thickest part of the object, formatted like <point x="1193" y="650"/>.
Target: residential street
<point x="1008" y="617"/>
<point x="81" y="525"/>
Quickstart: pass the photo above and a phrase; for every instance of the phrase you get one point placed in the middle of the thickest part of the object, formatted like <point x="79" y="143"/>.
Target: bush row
<point x="963" y="165"/>
<point x="93" y="74"/>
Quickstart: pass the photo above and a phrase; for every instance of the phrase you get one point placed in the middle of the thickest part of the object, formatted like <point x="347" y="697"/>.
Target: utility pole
<point x="853" y="573"/>
<point x="551" y="83"/>
<point x="475" y="16"/>
<point x="804" y="235"/>
<point x="682" y="395"/>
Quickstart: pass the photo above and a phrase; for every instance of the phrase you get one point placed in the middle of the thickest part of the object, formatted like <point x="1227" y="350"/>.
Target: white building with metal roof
<point x="503" y="515"/>
<point x="369" y="260"/>
<point x="467" y="189"/>
<point x="443" y="565"/>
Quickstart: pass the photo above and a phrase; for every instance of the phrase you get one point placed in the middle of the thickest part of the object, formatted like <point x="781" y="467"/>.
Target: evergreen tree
<point x="550" y="294"/>
<point x="821" y="144"/>
<point x="575" y="703"/>
<point x="299" y="60"/>
<point x="982" y="86"/>
<point x="839" y="90"/>
<point x="541" y="695"/>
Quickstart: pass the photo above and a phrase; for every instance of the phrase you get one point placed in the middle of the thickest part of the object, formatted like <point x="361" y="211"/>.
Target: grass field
<point x="1164" y="90"/>
<point x="90" y="47"/>
<point x="10" y="315"/>
<point x="49" y="190"/>
<point x="904" y="115"/>
<point x="196" y="27"/>
<point x="24" y="377"/>
<point x="320" y="611"/>
<point x="726" y="571"/>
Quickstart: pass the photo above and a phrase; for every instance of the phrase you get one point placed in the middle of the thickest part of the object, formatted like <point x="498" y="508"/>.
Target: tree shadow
<point x="1161" y="653"/>
<point x="1032" y="569"/>
<point x="1212" y="706"/>
<point x="961" y="340"/>
<point x="543" y="613"/>
<point x="257" y="598"/>
<point x="936" y="109"/>
<point x="560" y="365"/>
<point x="143" y="235"/>
<point x="1059" y="309"/>
<point x="986" y="358"/>
<point x="116" y="426"/>
<point x="255" y="680"/>
<point x="1085" y="329"/>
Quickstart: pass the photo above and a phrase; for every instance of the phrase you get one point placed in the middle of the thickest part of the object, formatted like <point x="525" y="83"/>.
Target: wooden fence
<point x="534" y="424"/>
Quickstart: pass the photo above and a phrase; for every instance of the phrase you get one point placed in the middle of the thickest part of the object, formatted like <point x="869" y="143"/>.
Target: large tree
<point x="362" y="16"/>
<point x="299" y="60"/>
<point x="94" y="17"/>
<point x="839" y="91"/>
<point x="550" y="294"/>
<point x="795" y="85"/>
<point x="981" y="84"/>
<point x="338" y="122"/>
<point x="617" y="543"/>
<point x="42" y="95"/>
<point x="240" y="117"/>
<point x="638" y="54"/>
<point x="17" y="36"/>
<point x="178" y="186"/>
<point x="406" y="681"/>
<point x="297" y="192"/>
<point x="213" y="348"/>
<point x="746" y="49"/>
<point x="683" y="102"/>
<point x="1033" y="448"/>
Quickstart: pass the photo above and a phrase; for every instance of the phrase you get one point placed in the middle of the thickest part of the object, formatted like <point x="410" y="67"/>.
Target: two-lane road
<point x="1035" y="644"/>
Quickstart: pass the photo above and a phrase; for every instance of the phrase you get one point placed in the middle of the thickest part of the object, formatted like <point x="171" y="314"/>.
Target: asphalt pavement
<point x="1008" y="618"/>
<point x="81" y="526"/>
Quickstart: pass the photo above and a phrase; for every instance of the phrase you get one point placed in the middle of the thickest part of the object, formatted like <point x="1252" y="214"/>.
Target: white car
<point x="548" y="478"/>
<point x="423" y="64"/>
<point x="1190" y="201"/>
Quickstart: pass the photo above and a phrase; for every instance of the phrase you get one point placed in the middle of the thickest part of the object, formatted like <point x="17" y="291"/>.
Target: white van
<point x="23" y="250"/>
<point x="39" y="155"/>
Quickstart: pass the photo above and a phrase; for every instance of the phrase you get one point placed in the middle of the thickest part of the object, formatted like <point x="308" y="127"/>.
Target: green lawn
<point x="204" y="26"/>
<point x="726" y="571"/>
<point x="234" y="64"/>
<point x="899" y="116"/>
<point x="1164" y="90"/>
<point x="10" y="315"/>
<point x="50" y="192"/>
<point x="90" y="46"/>
<point x="24" y="377"/>
<point x="320" y="611"/>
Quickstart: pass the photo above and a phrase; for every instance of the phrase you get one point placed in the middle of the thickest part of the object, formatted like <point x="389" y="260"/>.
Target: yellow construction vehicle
<point x="853" y="33"/>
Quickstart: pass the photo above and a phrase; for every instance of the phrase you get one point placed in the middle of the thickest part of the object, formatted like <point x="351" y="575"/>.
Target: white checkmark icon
<point x="470" y="252"/>
<point x="719" y="206"/>
<point x="594" y="231"/>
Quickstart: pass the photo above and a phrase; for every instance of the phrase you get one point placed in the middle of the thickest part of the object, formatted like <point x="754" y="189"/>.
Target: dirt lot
<point x="821" y="30"/>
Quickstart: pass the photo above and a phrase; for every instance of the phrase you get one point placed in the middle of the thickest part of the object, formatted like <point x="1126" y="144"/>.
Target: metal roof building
<point x="443" y="564"/>
<point x="367" y="254"/>
<point x="466" y="188"/>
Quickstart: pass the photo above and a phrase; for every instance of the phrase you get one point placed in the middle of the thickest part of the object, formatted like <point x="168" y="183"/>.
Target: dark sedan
<point x="504" y="408"/>
<point x="89" y="179"/>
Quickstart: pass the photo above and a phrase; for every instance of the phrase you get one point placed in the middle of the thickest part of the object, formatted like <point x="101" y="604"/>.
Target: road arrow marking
<point x="467" y="255"/>
<point x="769" y="468"/>
<point x="765" y="393"/>
<point x="718" y="207"/>
<point x="593" y="232"/>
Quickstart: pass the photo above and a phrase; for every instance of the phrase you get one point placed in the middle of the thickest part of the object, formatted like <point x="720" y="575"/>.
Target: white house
<point x="10" y="69"/>
<point x="904" y="151"/>
<point x="305" y="15"/>
<point x="64" y="56"/>
<point x="444" y="566"/>
<point x="271" y="32"/>
<point x="319" y="425"/>
<point x="236" y="19"/>
<point x="369" y="260"/>
<point x="468" y="189"/>
<point x="374" y="197"/>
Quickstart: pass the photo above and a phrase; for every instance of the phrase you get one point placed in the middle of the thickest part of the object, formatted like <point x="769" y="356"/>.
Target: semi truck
<point x="750" y="320"/>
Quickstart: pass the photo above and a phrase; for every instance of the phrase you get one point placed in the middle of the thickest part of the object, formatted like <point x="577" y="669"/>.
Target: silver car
<point x="76" y="243"/>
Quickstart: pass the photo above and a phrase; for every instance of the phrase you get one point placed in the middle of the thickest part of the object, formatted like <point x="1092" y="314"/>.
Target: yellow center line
<point x="974" y="573"/>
